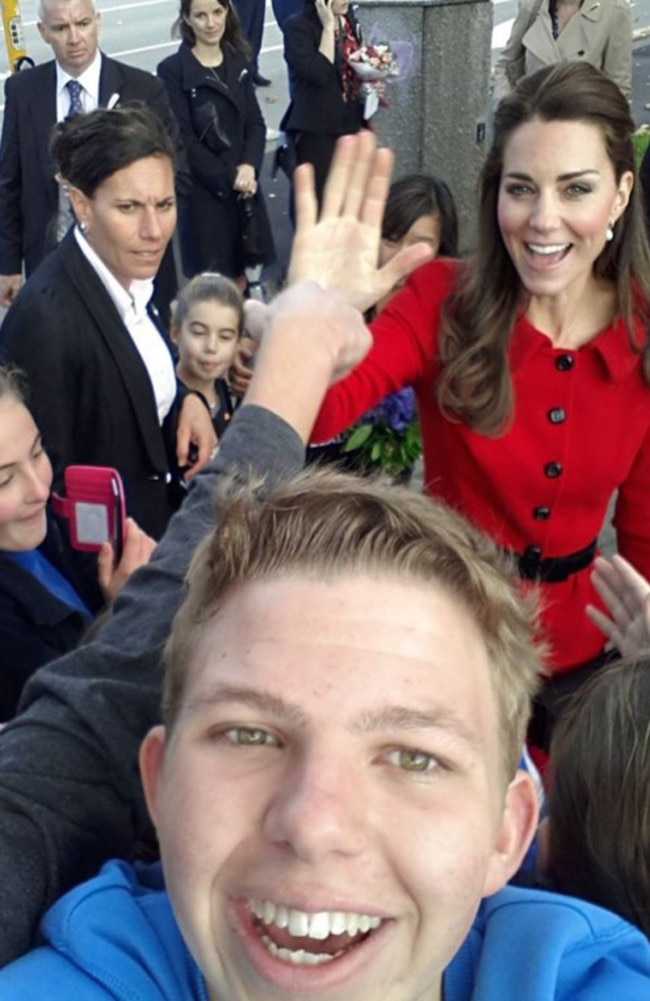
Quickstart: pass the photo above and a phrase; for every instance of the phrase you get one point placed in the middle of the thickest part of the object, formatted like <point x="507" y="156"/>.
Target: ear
<point x="625" y="186"/>
<point x="152" y="751"/>
<point x="42" y="30"/>
<point x="174" y="332"/>
<point x="517" y="830"/>
<point x="80" y="203"/>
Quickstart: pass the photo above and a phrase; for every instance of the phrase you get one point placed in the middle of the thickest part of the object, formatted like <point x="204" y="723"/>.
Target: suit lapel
<point x="111" y="80"/>
<point x="111" y="330"/>
<point x="42" y="109"/>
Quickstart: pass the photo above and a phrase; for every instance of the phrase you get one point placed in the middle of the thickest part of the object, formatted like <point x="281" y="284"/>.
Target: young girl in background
<point x="207" y="323"/>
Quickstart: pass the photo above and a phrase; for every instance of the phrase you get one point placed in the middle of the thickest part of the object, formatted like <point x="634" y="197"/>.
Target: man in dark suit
<point x="33" y="211"/>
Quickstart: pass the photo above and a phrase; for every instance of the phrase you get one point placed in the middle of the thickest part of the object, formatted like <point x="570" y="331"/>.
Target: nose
<point x="74" y="34"/>
<point x="317" y="811"/>
<point x="150" y="226"/>
<point x="38" y="484"/>
<point x="545" y="215"/>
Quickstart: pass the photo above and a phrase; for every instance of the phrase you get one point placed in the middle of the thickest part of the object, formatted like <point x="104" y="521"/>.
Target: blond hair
<point x="328" y="524"/>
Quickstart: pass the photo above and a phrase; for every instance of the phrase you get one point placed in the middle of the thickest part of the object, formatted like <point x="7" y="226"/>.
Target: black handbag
<point x="205" y="121"/>
<point x="255" y="235"/>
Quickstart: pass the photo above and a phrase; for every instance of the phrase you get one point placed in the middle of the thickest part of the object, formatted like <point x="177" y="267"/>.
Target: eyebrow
<point x="37" y="438"/>
<point x="570" y="176"/>
<point x="387" y="717"/>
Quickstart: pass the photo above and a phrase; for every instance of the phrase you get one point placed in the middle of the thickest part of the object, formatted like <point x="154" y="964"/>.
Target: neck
<point x="571" y="320"/>
<point x="203" y="386"/>
<point x="208" y="55"/>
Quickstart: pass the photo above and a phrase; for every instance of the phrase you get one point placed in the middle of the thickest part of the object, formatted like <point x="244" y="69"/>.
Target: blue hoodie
<point x="115" y="938"/>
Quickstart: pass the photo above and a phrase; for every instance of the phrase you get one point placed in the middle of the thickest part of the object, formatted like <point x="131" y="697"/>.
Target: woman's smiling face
<point x="558" y="195"/>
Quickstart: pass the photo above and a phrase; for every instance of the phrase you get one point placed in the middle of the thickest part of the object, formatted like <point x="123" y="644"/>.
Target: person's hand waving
<point x="340" y="249"/>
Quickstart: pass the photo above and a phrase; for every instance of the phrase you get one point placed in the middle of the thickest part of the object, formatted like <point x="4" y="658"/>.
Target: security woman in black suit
<point x="326" y="100"/>
<point x="102" y="380"/>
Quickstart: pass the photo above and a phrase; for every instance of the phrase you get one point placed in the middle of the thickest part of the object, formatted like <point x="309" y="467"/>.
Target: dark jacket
<point x="35" y="625"/>
<point x="318" y="104"/>
<point x="70" y="792"/>
<point x="91" y="394"/>
<point x="208" y="220"/>
<point x="28" y="191"/>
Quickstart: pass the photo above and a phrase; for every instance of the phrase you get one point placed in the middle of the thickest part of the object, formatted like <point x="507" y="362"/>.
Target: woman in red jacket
<point x="530" y="361"/>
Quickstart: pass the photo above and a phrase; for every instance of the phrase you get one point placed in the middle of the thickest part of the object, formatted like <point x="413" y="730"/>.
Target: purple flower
<point x="398" y="409"/>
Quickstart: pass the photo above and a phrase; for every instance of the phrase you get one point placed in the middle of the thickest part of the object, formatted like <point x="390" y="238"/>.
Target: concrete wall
<point x="437" y="117"/>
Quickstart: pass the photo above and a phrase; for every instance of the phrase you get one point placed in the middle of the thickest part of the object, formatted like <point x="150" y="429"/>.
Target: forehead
<point x="147" y="179"/>
<point x="205" y="6"/>
<point x="558" y="146"/>
<point x="212" y="312"/>
<point x="339" y="649"/>
<point x="17" y="428"/>
<point x="64" y="12"/>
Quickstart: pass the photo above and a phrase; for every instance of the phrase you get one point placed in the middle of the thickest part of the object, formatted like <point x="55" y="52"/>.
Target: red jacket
<point x="580" y="431"/>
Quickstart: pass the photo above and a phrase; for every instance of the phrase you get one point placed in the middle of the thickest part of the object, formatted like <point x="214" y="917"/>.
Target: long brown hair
<point x="479" y="316"/>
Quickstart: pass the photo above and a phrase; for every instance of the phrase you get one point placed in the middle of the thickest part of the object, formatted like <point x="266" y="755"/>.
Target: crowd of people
<point x="282" y="741"/>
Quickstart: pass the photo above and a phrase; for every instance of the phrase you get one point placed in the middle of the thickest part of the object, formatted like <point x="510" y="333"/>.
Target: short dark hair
<point x="414" y="196"/>
<point x="88" y="148"/>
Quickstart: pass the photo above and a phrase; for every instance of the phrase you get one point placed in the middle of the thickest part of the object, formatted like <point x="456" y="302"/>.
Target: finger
<point x="403" y="263"/>
<point x="361" y="175"/>
<point x="105" y="560"/>
<point x="304" y="191"/>
<point x="372" y="210"/>
<point x="605" y="624"/>
<point x="610" y="597"/>
<point x="182" y="445"/>
<point x="346" y="151"/>
<point x="257" y="316"/>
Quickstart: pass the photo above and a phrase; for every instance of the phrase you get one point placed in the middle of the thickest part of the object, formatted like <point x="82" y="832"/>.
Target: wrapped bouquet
<point x="372" y="64"/>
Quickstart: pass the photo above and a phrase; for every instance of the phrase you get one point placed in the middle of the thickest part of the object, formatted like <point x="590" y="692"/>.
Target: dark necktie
<point x="75" y="89"/>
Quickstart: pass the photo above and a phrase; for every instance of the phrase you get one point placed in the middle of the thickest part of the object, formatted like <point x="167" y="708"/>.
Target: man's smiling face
<point x="330" y="802"/>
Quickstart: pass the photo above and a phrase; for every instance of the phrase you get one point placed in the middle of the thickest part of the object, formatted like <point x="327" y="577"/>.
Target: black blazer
<point x="317" y="104"/>
<point x="35" y="626"/>
<point x="28" y="191"/>
<point x="91" y="395"/>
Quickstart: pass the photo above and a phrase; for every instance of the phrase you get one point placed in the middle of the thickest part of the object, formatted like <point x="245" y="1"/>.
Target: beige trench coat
<point x="600" y="34"/>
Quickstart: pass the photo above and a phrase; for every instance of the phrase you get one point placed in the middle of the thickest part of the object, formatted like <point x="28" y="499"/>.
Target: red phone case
<point x="94" y="505"/>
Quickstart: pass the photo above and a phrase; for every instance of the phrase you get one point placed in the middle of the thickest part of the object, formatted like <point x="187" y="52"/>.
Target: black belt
<point x="552" y="569"/>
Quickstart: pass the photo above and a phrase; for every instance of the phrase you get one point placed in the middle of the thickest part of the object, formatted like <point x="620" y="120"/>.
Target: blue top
<point x="47" y="574"/>
<point x="114" y="938"/>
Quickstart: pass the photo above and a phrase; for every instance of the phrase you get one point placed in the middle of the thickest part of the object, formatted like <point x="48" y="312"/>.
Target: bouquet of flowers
<point x="374" y="62"/>
<point x="388" y="436"/>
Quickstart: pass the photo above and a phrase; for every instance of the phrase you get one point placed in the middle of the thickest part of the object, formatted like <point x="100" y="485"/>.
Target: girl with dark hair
<point x="530" y="360"/>
<point x="212" y="95"/>
<point x="83" y="330"/>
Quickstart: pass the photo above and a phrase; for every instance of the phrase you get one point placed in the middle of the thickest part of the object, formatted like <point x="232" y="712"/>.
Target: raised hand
<point x="340" y="248"/>
<point x="627" y="597"/>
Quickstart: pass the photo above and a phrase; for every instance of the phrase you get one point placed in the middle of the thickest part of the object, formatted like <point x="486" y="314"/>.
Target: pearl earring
<point x="609" y="232"/>
<point x="83" y="228"/>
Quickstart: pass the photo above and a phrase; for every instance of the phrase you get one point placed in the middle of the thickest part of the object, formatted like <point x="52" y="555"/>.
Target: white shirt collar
<point x="89" y="80"/>
<point x="129" y="303"/>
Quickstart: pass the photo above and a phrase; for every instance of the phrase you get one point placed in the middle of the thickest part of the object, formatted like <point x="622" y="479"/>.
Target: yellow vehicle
<point x="17" y="57"/>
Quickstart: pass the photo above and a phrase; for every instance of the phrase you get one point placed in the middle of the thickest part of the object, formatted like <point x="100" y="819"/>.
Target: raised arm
<point x="70" y="794"/>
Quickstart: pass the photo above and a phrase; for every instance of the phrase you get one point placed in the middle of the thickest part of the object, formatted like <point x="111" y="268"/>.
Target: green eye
<point x="414" y="760"/>
<point x="249" y="736"/>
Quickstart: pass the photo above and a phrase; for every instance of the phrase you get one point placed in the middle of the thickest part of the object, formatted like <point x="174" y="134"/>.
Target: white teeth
<point x="317" y="926"/>
<point x="299" y="957"/>
<point x="298" y="923"/>
<point x="548" y="248"/>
